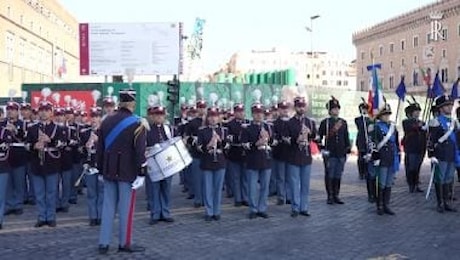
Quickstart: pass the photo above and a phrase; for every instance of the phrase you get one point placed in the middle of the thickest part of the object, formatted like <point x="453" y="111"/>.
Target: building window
<point x="391" y="81"/>
<point x="392" y="47"/>
<point x="363" y="54"/>
<point x="361" y="85"/>
<point x="402" y="62"/>
<point x="324" y="73"/>
<point x="362" y="70"/>
<point x="444" y="76"/>
<point x="345" y="82"/>
<point x="444" y="53"/>
<point x="415" y="78"/>
<point x="391" y="64"/>
<point x="381" y="50"/>
<point x="444" y="34"/>
<point x="324" y="82"/>
<point x="415" y="43"/>
<point x="9" y="47"/>
<point x="339" y="83"/>
<point x="415" y="60"/>
<point x="317" y="76"/>
<point x="403" y="45"/>
<point x="428" y="38"/>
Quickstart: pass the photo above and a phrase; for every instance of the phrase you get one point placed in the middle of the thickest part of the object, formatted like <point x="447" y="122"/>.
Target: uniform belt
<point x="17" y="144"/>
<point x="50" y="149"/>
<point x="92" y="151"/>
<point x="264" y="147"/>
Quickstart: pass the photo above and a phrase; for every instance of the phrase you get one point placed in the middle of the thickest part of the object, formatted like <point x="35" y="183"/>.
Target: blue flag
<point x="454" y="92"/>
<point x="437" y="89"/>
<point x="401" y="90"/>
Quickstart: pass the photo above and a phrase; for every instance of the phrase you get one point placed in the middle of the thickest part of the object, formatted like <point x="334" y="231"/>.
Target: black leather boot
<point x="417" y="181"/>
<point x="371" y="190"/>
<point x="380" y="201"/>
<point x="386" y="201"/>
<point x="445" y="192"/>
<point x="329" y="189"/>
<point x="336" y="189"/>
<point x="438" y="189"/>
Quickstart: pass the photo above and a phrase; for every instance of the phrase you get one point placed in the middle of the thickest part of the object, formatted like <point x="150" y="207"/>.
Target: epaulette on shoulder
<point x="202" y="127"/>
<point x="434" y="123"/>
<point x="144" y="123"/>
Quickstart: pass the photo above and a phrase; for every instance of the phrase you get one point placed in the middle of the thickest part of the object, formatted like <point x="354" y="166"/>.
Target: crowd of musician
<point x="48" y="154"/>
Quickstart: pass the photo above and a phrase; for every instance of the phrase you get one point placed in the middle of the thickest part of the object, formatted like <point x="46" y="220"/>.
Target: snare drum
<point x="167" y="159"/>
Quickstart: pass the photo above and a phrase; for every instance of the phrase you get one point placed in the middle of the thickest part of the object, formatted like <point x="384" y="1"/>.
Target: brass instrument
<point x="302" y="140"/>
<point x="264" y="136"/>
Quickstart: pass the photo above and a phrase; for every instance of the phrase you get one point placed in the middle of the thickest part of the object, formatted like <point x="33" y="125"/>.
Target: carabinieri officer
<point x="121" y="160"/>
<point x="211" y="142"/>
<point x="256" y="139"/>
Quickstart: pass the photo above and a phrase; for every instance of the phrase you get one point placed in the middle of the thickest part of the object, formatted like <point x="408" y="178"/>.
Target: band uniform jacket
<point x="235" y="129"/>
<point x="18" y="155"/>
<point x="443" y="151"/>
<point x="361" y="142"/>
<point x="6" y="138"/>
<point x="337" y="138"/>
<point x="257" y="158"/>
<point x="89" y="154"/>
<point x="280" y="130"/>
<point x="299" y="155"/>
<point x="157" y="134"/>
<point x="387" y="153"/>
<point x="125" y="159"/>
<point x="74" y="141"/>
<point x="47" y="161"/>
<point x="67" y="151"/>
<point x="211" y="160"/>
<point x="191" y="131"/>
<point x="414" y="140"/>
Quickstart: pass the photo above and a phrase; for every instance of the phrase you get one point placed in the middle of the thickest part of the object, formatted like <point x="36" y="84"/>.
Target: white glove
<point x="367" y="157"/>
<point x="324" y="153"/>
<point x="434" y="160"/>
<point x="138" y="182"/>
<point x="100" y="178"/>
<point x="376" y="162"/>
<point x="424" y="127"/>
<point x="92" y="171"/>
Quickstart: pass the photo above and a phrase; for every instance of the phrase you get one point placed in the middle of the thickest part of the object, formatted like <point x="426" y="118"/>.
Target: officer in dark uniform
<point x="442" y="150"/>
<point x="46" y="140"/>
<point x="6" y="138"/>
<point x="211" y="142"/>
<point x="160" y="190"/>
<point x="385" y="156"/>
<point x="236" y="153"/>
<point x="121" y="160"/>
<point x="414" y="143"/>
<point x="17" y="160"/>
<point x="65" y="173"/>
<point x="336" y="146"/>
<point x="94" y="184"/>
<point x="192" y="136"/>
<point x="257" y="139"/>
<point x="301" y="131"/>
<point x="281" y="153"/>
<point x="26" y="114"/>
<point x="362" y="123"/>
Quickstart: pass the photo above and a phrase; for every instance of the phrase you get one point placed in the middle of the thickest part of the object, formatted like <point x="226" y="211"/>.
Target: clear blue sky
<point x="234" y="25"/>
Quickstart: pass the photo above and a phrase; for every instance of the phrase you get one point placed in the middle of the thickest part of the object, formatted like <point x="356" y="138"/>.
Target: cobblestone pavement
<point x="350" y="231"/>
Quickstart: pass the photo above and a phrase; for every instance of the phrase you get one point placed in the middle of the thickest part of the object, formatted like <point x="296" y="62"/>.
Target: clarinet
<point x="214" y="146"/>
<point x="41" y="152"/>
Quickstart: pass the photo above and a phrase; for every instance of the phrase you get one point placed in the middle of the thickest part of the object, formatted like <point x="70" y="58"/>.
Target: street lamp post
<point x="310" y="29"/>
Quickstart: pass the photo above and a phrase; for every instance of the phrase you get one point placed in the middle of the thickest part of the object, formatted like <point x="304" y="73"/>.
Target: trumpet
<point x="263" y="138"/>
<point x="302" y="140"/>
<point x="90" y="145"/>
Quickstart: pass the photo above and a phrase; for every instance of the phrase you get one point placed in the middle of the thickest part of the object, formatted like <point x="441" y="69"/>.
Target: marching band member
<point x="17" y="160"/>
<point x="301" y="130"/>
<point x="188" y="174"/>
<point x="179" y="130"/>
<point x="27" y="118"/>
<point x="256" y="139"/>
<point x="94" y="186"/>
<point x="108" y="105"/>
<point x="211" y="142"/>
<point x="362" y="123"/>
<point x="269" y="116"/>
<point x="385" y="156"/>
<point x="337" y="145"/>
<point x="121" y="160"/>
<point x="192" y="130"/>
<point x="442" y="150"/>
<point x="70" y="114"/>
<point x="45" y="139"/>
<point x="281" y="154"/>
<point x="236" y="157"/>
<point x="414" y="143"/>
<point x="6" y="138"/>
<point x="65" y="172"/>
<point x="161" y="190"/>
